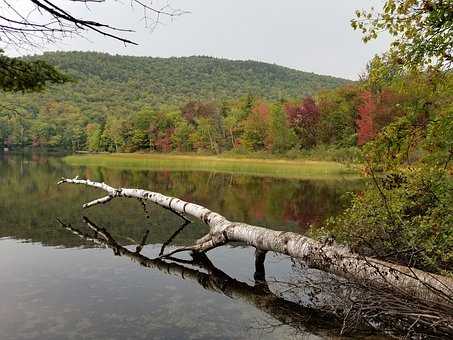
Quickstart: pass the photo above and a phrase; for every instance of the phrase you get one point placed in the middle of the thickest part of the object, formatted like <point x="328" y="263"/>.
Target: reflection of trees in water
<point x="30" y="200"/>
<point x="265" y="200"/>
<point x="310" y="302"/>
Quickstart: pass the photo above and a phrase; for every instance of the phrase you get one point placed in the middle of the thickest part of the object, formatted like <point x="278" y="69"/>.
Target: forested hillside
<point x="177" y="80"/>
<point x="108" y="91"/>
<point x="112" y="106"/>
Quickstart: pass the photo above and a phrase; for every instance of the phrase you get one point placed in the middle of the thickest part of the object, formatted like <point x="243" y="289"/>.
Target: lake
<point x="59" y="285"/>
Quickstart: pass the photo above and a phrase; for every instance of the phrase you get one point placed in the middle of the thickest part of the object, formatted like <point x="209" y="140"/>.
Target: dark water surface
<point x="54" y="285"/>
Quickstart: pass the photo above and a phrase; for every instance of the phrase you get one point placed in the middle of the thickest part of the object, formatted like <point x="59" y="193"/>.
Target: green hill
<point x="103" y="77"/>
<point x="133" y="98"/>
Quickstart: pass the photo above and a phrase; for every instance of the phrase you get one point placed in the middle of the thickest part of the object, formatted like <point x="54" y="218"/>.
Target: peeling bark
<point x="330" y="258"/>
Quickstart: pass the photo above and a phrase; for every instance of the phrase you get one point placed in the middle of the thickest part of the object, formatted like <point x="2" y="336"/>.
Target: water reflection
<point x="310" y="303"/>
<point x="259" y="295"/>
<point x="302" y="319"/>
<point x="89" y="294"/>
<point x="77" y="292"/>
<point x="30" y="200"/>
<point x="55" y="293"/>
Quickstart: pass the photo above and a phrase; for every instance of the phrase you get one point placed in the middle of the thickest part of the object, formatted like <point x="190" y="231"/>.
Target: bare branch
<point x="44" y="22"/>
<point x="171" y="238"/>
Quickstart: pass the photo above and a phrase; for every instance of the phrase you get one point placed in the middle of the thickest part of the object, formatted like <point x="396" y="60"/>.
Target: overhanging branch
<point x="45" y="22"/>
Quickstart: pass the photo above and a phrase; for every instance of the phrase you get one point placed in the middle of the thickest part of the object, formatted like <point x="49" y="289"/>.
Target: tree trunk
<point x="330" y="258"/>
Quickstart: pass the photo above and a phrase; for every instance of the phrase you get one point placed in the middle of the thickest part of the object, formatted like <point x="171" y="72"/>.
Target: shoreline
<point x="272" y="167"/>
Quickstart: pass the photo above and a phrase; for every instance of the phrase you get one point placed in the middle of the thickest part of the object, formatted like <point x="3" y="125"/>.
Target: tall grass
<point x="259" y="167"/>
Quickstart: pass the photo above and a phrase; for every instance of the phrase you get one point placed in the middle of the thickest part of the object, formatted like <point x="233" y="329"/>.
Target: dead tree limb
<point x="330" y="258"/>
<point x="38" y="22"/>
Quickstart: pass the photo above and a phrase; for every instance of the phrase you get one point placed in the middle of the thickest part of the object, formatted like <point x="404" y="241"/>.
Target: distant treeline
<point x="247" y="124"/>
<point x="107" y="109"/>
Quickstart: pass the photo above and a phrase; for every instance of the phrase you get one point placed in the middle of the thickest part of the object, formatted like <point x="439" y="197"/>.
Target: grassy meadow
<point x="300" y="169"/>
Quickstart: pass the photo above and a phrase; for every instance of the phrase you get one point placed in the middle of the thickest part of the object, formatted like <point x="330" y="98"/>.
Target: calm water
<point x="56" y="285"/>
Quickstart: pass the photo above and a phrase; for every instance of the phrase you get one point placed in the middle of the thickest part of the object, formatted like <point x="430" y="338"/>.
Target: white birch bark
<point x="330" y="258"/>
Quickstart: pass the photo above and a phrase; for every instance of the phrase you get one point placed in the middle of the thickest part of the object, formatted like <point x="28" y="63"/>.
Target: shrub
<point x="405" y="217"/>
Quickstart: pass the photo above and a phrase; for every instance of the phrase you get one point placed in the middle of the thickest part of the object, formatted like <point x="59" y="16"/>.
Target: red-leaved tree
<point x="304" y="119"/>
<point x="364" y="122"/>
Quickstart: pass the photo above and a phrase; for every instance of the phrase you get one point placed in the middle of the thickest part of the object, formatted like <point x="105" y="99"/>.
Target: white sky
<point x="309" y="35"/>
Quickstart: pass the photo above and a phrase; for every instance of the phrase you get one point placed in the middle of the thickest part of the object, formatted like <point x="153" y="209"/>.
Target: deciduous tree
<point x="422" y="31"/>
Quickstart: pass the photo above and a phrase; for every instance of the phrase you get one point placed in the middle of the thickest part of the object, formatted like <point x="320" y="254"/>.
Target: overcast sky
<point x="309" y="35"/>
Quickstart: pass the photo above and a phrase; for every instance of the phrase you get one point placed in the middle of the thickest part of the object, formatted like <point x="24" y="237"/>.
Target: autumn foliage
<point x="344" y="117"/>
<point x="304" y="118"/>
<point x="365" y="126"/>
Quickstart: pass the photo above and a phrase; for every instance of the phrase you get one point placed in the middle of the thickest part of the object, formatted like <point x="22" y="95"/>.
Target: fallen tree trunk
<point x="334" y="313"/>
<point x="331" y="258"/>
